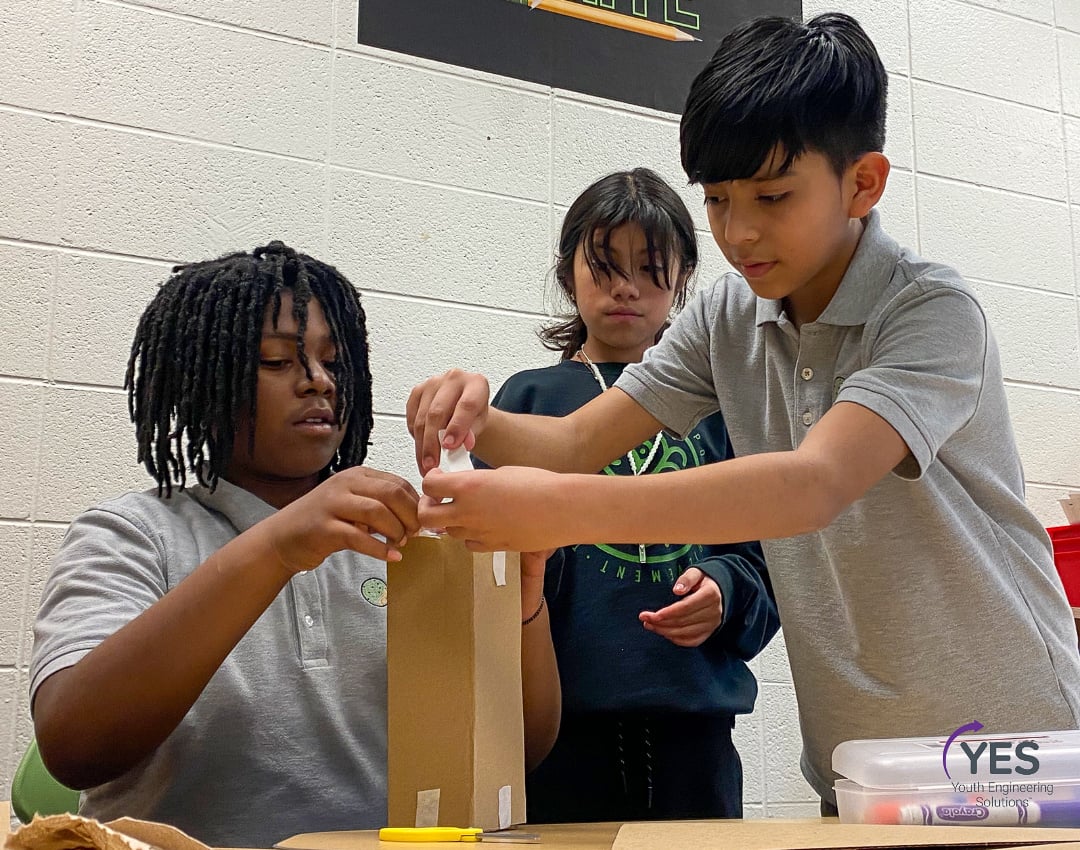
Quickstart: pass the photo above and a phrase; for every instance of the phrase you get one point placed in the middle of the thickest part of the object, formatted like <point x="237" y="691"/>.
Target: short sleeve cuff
<point x="69" y="658"/>
<point x="922" y="454"/>
<point x="655" y="405"/>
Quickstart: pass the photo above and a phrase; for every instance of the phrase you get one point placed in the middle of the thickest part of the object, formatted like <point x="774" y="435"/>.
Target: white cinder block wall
<point x="136" y="134"/>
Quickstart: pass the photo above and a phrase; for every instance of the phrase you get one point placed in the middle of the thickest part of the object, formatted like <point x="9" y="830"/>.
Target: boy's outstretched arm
<point x="99" y="718"/>
<point x="776" y="494"/>
<point x="585" y="441"/>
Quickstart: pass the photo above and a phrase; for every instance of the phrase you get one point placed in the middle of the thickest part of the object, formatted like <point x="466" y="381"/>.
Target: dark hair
<point x="778" y="85"/>
<point x="626" y="197"/>
<point x="194" y="362"/>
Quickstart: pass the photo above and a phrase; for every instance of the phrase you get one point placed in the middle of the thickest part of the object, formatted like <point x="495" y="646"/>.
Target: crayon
<point x="945" y="812"/>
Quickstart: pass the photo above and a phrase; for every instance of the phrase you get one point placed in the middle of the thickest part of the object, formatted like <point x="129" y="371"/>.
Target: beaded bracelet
<point x="535" y="613"/>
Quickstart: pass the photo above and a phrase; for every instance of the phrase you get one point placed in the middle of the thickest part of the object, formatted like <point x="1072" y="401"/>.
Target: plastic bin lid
<point x="899" y="763"/>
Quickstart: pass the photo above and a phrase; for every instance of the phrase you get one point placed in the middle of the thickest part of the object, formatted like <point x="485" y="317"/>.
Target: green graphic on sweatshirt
<point x="661" y="561"/>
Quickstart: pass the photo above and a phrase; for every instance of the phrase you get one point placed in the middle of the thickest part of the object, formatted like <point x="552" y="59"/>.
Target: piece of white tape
<point x="505" y="806"/>
<point x="427" y="807"/>
<point x="454" y="460"/>
<point x="498" y="567"/>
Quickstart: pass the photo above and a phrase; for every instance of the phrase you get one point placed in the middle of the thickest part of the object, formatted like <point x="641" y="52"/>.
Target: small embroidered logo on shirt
<point x="374" y="591"/>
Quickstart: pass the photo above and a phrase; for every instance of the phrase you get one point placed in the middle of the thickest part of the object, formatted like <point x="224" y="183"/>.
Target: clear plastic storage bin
<point x="1024" y="779"/>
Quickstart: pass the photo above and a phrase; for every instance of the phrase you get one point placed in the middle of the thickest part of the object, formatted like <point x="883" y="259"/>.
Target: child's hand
<point x="509" y="509"/>
<point x="344" y="512"/>
<point x="692" y="619"/>
<point x="456" y="401"/>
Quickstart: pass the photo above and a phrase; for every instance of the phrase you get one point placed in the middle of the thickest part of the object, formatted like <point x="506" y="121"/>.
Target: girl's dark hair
<point x="626" y="197"/>
<point x="195" y="358"/>
<point x="776" y="84"/>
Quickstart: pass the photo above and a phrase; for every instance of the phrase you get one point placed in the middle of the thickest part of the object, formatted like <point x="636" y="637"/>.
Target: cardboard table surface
<point x="567" y="836"/>
<point x="770" y="834"/>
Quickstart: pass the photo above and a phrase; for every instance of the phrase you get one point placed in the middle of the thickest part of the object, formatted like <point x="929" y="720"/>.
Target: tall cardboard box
<point x="456" y="733"/>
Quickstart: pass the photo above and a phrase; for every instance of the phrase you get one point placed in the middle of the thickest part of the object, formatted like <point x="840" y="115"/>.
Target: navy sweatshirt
<point x="608" y="662"/>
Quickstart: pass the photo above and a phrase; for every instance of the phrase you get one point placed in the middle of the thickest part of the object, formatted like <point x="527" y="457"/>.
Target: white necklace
<point x="634" y="468"/>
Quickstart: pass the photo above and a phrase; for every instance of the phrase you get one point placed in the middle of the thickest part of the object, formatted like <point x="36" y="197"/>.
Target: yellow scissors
<point x="454" y="833"/>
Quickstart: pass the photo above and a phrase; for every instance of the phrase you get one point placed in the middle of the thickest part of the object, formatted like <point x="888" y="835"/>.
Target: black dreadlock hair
<point x="195" y="358"/>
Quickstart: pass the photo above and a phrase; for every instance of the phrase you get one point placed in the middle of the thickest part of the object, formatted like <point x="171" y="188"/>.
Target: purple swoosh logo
<point x="973" y="726"/>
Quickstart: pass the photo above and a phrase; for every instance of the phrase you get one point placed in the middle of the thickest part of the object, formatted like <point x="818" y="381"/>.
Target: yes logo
<point x="999" y="754"/>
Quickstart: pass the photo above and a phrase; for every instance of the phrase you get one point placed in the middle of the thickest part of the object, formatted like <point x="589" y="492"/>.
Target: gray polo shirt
<point x="933" y="600"/>
<point x="290" y="734"/>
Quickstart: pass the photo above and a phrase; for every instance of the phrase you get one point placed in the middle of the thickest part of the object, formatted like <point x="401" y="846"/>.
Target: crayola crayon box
<point x="966" y="779"/>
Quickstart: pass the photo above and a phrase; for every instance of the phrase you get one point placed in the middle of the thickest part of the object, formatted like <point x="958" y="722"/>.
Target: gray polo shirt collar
<point x="870" y="270"/>
<point x="240" y="507"/>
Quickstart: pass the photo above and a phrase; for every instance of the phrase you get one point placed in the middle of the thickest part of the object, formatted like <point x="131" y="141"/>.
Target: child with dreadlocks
<point x="191" y="665"/>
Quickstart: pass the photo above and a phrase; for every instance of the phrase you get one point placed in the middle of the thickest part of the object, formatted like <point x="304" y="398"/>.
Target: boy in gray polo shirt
<point x="863" y="394"/>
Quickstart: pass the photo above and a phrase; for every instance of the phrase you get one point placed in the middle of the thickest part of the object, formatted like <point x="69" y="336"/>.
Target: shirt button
<point x="807" y="373"/>
<point x="808" y="418"/>
<point x="302" y="573"/>
<point x="309" y="621"/>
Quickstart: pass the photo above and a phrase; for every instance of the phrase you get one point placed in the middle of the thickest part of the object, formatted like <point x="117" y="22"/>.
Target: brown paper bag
<point x="456" y="733"/>
<point x="74" y="832"/>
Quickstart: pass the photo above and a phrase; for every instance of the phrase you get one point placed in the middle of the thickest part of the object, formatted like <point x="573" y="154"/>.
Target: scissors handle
<point x="429" y="833"/>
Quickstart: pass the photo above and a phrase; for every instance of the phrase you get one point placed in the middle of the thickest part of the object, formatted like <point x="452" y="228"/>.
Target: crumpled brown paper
<point x="72" y="832"/>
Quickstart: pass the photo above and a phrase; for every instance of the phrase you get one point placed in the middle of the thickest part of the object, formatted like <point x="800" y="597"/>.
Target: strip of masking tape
<point x="505" y="813"/>
<point x="454" y="460"/>
<point x="498" y="567"/>
<point x="427" y="807"/>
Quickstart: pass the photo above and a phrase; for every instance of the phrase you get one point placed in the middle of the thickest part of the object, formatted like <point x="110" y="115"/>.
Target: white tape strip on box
<point x="427" y="807"/>
<point x="505" y="807"/>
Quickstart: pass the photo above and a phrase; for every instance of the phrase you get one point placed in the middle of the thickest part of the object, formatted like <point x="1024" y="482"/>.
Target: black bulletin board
<point x="507" y="37"/>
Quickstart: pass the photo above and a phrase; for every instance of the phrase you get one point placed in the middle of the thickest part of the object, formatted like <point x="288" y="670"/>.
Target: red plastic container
<point x="1066" y="540"/>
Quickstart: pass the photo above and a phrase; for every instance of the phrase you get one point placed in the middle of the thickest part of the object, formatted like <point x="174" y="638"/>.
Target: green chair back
<point x="35" y="791"/>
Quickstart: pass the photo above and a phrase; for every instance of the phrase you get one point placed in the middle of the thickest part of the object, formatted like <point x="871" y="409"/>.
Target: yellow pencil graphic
<point x="612" y="19"/>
